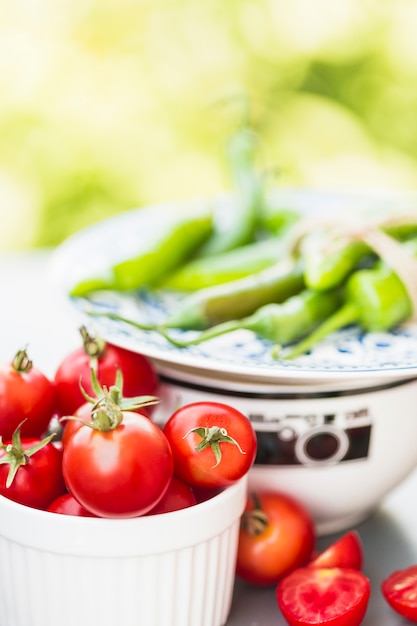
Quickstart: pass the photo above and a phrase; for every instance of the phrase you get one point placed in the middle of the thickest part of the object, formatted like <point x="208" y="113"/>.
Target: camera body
<point x="319" y="438"/>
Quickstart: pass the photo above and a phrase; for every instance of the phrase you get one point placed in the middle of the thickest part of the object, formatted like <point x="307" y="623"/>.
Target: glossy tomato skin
<point x="347" y="551"/>
<point x="285" y="542"/>
<point x="121" y="472"/>
<point x="199" y="467"/>
<point x="400" y="591"/>
<point x="178" y="496"/>
<point x="318" y="596"/>
<point x="68" y="505"/>
<point x="28" y="396"/>
<point x="70" y="426"/>
<point x="139" y="376"/>
<point x="40" y="481"/>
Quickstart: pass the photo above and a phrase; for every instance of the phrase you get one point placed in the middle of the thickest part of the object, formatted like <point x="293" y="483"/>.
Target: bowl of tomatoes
<point x="168" y="568"/>
<point x="106" y="516"/>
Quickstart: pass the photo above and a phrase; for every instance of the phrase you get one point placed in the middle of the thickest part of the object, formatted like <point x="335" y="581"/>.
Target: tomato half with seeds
<point x="120" y="465"/>
<point x="347" y="551"/>
<point x="213" y="444"/>
<point x="400" y="591"/>
<point x="324" y="596"/>
<point x="276" y="535"/>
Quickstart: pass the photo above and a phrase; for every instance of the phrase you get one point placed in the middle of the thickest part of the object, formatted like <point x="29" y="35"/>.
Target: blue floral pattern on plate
<point x="346" y="354"/>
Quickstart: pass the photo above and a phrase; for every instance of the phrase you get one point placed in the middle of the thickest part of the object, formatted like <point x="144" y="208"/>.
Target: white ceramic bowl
<point x="338" y="451"/>
<point x="173" y="569"/>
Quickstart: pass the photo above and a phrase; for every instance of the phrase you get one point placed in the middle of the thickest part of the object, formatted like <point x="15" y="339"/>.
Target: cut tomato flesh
<point x="400" y="591"/>
<point x="331" y="597"/>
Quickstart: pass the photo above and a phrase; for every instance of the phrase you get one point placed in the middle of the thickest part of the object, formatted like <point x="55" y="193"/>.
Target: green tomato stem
<point x="212" y="437"/>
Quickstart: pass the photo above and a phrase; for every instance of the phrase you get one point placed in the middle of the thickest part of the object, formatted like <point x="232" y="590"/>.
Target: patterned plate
<point x="348" y="355"/>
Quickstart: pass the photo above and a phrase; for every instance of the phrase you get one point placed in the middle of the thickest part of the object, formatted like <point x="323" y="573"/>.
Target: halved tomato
<point x="317" y="596"/>
<point x="400" y="591"/>
<point x="347" y="551"/>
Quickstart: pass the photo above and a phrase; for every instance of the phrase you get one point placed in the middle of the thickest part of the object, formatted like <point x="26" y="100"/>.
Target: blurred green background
<point x="110" y="105"/>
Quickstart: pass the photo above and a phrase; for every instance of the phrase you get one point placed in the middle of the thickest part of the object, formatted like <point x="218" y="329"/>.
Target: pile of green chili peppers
<point x="245" y="273"/>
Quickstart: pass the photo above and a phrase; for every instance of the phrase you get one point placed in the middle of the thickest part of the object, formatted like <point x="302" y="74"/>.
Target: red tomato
<point x="68" y="505"/>
<point x="139" y="376"/>
<point x="206" y="493"/>
<point x="25" y="394"/>
<point x="178" y="496"/>
<point x="120" y="472"/>
<point x="347" y="551"/>
<point x="213" y="444"/>
<point x="38" y="480"/>
<point x="315" y="596"/>
<point x="400" y="591"/>
<point x="70" y="426"/>
<point x="276" y="536"/>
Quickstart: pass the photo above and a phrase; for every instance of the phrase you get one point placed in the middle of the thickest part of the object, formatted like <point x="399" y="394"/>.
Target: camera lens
<point x="321" y="445"/>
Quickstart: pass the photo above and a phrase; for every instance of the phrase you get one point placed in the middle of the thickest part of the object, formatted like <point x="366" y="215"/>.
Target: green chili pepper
<point x="280" y="323"/>
<point x="277" y="214"/>
<point x="214" y="305"/>
<point x="325" y="270"/>
<point x="375" y="299"/>
<point x="231" y="265"/>
<point x="237" y="219"/>
<point x="157" y="255"/>
<point x="238" y="298"/>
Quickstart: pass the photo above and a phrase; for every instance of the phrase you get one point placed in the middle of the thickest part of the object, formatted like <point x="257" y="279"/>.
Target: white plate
<point x="346" y="357"/>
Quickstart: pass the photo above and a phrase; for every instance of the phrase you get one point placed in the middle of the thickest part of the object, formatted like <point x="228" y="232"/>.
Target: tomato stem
<point x="255" y="521"/>
<point x="94" y="346"/>
<point x="116" y="394"/>
<point x="21" y="362"/>
<point x="212" y="437"/>
<point x="16" y="456"/>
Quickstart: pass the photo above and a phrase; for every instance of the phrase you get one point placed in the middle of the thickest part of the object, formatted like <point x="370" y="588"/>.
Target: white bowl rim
<point x="106" y="537"/>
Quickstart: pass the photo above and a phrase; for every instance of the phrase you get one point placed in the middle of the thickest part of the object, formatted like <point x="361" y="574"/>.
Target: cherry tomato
<point x="213" y="444"/>
<point x="317" y="596"/>
<point x="178" y="496"/>
<point x="70" y="426"/>
<point x="206" y="493"/>
<point x="276" y="536"/>
<point x="400" y="591"/>
<point x="139" y="376"/>
<point x="347" y="551"/>
<point x="68" y="505"/>
<point x="25" y="394"/>
<point x="34" y="469"/>
<point x="119" y="468"/>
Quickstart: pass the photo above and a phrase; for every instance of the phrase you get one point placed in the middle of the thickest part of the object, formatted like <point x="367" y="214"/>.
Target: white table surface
<point x="33" y="314"/>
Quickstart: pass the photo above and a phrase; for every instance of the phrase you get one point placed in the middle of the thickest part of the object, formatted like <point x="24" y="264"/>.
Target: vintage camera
<point x="312" y="439"/>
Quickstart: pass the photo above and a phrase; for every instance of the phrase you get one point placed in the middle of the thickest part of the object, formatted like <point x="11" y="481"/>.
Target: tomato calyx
<point x="16" y="456"/>
<point x="106" y="415"/>
<point x="21" y="362"/>
<point x="212" y="437"/>
<point x="255" y="521"/>
<point x="116" y="394"/>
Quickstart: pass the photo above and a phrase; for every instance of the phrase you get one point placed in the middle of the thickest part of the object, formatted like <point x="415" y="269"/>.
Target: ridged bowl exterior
<point x="175" y="569"/>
